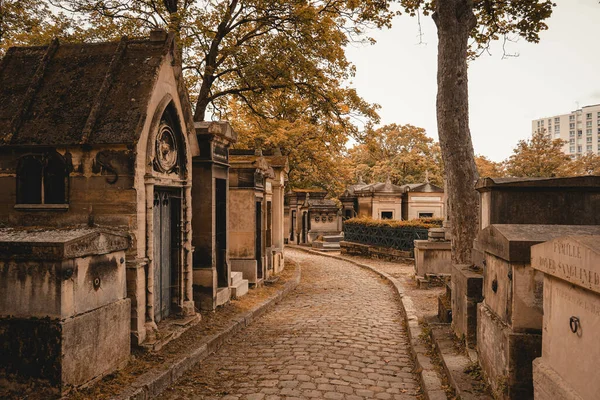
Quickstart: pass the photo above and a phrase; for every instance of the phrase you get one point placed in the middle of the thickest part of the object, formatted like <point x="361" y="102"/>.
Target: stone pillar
<point x="277" y="216"/>
<point x="187" y="306"/>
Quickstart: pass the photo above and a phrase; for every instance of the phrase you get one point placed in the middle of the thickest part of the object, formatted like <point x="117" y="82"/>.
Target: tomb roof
<point x="222" y="129"/>
<point x="277" y="161"/>
<point x="564" y="182"/>
<point x="380" y="187"/>
<point x="83" y="93"/>
<point x="424" y="187"/>
<point x="512" y="242"/>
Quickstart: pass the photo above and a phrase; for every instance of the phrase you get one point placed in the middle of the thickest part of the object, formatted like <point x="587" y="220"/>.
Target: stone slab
<point x="240" y="289"/>
<point x="236" y="277"/>
<point x="575" y="259"/>
<point x="71" y="352"/>
<point x="59" y="244"/>
<point x="513" y="242"/>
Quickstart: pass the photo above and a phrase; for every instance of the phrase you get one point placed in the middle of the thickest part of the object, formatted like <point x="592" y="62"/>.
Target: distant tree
<point x="458" y="22"/>
<point x="488" y="168"/>
<point x="539" y="156"/>
<point x="404" y="153"/>
<point x="588" y="164"/>
<point x="316" y="152"/>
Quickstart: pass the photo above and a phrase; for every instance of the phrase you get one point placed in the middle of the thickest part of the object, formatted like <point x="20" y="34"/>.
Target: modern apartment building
<point x="580" y="128"/>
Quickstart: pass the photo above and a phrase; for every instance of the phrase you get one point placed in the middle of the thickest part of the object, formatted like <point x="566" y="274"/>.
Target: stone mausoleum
<point x="384" y="200"/>
<point x="213" y="281"/>
<point x="310" y="215"/>
<point x="96" y="146"/>
<point x="498" y="305"/>
<point x="256" y="190"/>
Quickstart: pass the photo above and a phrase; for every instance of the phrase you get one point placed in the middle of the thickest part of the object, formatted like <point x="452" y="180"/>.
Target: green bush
<point x="425" y="223"/>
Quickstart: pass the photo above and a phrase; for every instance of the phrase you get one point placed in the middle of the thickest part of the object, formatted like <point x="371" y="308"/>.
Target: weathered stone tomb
<point x="64" y="315"/>
<point x="100" y="136"/>
<point x="213" y="280"/>
<point x="568" y="368"/>
<point x="509" y="320"/>
<point x="557" y="201"/>
<point x="309" y="215"/>
<point x="247" y="224"/>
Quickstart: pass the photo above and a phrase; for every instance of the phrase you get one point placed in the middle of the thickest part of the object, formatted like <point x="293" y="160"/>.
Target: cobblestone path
<point x="339" y="335"/>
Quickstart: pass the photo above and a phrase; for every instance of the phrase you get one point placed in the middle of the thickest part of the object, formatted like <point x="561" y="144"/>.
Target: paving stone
<point x="339" y="335"/>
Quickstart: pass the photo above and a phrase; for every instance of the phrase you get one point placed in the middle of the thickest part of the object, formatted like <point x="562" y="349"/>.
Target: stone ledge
<point x="428" y="376"/>
<point x="154" y="382"/>
<point x="456" y="363"/>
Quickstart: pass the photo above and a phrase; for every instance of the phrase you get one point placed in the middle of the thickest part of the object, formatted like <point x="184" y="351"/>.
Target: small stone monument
<point x="64" y="315"/>
<point x="568" y="367"/>
<point x="509" y="320"/>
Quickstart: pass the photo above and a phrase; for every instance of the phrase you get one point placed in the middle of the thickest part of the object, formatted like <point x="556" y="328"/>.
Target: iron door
<point x="258" y="240"/>
<point x="221" y="232"/>
<point x="163" y="241"/>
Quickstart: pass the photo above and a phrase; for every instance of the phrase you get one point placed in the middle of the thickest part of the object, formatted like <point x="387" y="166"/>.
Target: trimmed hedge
<point x="424" y="223"/>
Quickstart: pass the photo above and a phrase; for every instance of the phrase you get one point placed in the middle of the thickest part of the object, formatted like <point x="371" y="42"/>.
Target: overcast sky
<point x="547" y="78"/>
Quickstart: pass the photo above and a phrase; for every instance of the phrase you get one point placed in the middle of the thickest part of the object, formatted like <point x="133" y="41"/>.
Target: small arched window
<point x="42" y="179"/>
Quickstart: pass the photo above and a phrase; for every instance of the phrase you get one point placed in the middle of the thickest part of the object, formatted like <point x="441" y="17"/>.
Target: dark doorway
<point x="304" y="226"/>
<point x="293" y="227"/>
<point x="258" y="240"/>
<point x="221" y="231"/>
<point x="166" y="214"/>
<point x="348" y="214"/>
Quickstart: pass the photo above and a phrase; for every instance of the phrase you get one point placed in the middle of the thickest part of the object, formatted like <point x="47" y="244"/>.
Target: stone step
<point x="333" y="238"/>
<point x="240" y="289"/>
<point x="223" y="295"/>
<point x="236" y="277"/>
<point x="462" y="371"/>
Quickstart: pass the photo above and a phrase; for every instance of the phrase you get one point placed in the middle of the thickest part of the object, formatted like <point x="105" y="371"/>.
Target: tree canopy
<point x="404" y="153"/>
<point x="489" y="168"/>
<point x="539" y="156"/>
<point x="247" y="49"/>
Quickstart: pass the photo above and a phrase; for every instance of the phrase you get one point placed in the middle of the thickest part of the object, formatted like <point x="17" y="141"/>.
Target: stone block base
<point x="505" y="356"/>
<point x="277" y="262"/>
<point x="432" y="258"/>
<point x="69" y="352"/>
<point x="467" y="289"/>
<point x="248" y="268"/>
<point x="205" y="298"/>
<point x="548" y="384"/>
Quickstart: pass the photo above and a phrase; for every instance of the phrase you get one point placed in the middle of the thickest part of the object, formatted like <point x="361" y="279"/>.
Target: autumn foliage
<point x="424" y="223"/>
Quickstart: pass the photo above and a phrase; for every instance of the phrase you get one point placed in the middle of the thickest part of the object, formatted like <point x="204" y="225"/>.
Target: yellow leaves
<point x="402" y="152"/>
<point x="425" y="223"/>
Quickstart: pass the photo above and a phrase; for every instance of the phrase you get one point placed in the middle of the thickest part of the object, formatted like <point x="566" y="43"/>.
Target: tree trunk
<point x="455" y="20"/>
